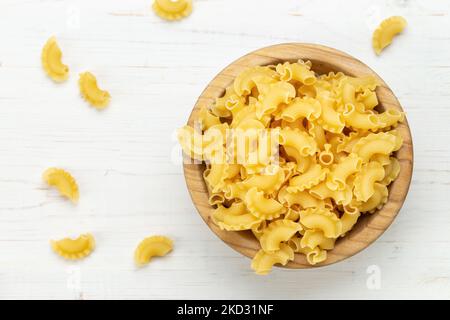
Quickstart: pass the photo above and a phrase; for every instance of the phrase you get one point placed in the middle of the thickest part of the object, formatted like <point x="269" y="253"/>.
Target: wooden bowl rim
<point x="369" y="227"/>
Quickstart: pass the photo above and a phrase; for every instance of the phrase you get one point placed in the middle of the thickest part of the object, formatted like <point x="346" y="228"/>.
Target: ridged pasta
<point x="272" y="95"/>
<point x="384" y="34"/>
<point x="323" y="220"/>
<point x="366" y="178"/>
<point x="74" y="249"/>
<point x="278" y="232"/>
<point x="263" y="262"/>
<point x="313" y="176"/>
<point x="172" y="9"/>
<point x="262" y="207"/>
<point x="91" y="92"/>
<point x="341" y="171"/>
<point x="154" y="246"/>
<point x="63" y="181"/>
<point x="234" y="218"/>
<point x="51" y="61"/>
<point x="301" y="108"/>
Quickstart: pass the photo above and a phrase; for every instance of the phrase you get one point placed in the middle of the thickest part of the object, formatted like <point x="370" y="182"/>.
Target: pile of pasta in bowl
<point x="295" y="158"/>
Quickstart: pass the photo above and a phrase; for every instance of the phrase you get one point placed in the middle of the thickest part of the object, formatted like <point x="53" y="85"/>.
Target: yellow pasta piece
<point x="267" y="182"/>
<point x="302" y="198"/>
<point x="365" y="180"/>
<point x="207" y="119"/>
<point x="51" y="61"/>
<point x="263" y="261"/>
<point x="340" y="172"/>
<point x="300" y="71"/>
<point x="313" y="176"/>
<point x="323" y="220"/>
<point x="272" y="95"/>
<point x="326" y="157"/>
<point x="74" y="249"/>
<point x="308" y="108"/>
<point x="277" y="232"/>
<point x="90" y="91"/>
<point x="361" y="120"/>
<point x="315" y="238"/>
<point x="172" y="9"/>
<point x="348" y="220"/>
<point x="154" y="246"/>
<point x="300" y="141"/>
<point x="341" y="197"/>
<point x="330" y="119"/>
<point x="390" y="118"/>
<point x="63" y="181"/>
<point x="234" y="218"/>
<point x="250" y="78"/>
<point x="392" y="170"/>
<point x="384" y="34"/>
<point x="314" y="256"/>
<point x="262" y="207"/>
<point x="375" y="143"/>
<point x="377" y="200"/>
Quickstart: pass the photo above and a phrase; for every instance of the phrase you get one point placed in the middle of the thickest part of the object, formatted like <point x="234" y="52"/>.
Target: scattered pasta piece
<point x="51" y="61"/>
<point x="74" y="249"/>
<point x="297" y="158"/>
<point x="90" y="91"/>
<point x="386" y="31"/>
<point x="172" y="9"/>
<point x="150" y="247"/>
<point x="63" y="181"/>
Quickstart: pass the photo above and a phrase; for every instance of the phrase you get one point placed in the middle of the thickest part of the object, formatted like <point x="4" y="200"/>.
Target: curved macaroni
<point x="234" y="218"/>
<point x="91" y="92"/>
<point x="74" y="249"/>
<point x="172" y="9"/>
<point x="277" y="232"/>
<point x="51" y="61"/>
<point x="300" y="108"/>
<point x="263" y="261"/>
<point x="63" y="181"/>
<point x="262" y="207"/>
<point x="365" y="180"/>
<point x="384" y="34"/>
<point x="323" y="220"/>
<point x="154" y="246"/>
<point x="313" y="176"/>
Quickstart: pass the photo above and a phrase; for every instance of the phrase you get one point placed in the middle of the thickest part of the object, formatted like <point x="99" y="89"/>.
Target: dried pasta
<point x="172" y="9"/>
<point x="90" y="91"/>
<point x="386" y="31"/>
<point x="154" y="246"/>
<point x="74" y="249"/>
<point x="301" y="158"/>
<point x="63" y="181"/>
<point x="52" y="63"/>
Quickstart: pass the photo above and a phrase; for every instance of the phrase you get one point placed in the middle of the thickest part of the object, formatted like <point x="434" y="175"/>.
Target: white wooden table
<point x="125" y="158"/>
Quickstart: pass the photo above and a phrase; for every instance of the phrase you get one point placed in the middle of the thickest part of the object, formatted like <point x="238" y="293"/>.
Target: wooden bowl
<point x="370" y="226"/>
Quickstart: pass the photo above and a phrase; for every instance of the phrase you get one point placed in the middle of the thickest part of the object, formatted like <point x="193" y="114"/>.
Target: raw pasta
<point x="51" y="61"/>
<point x="172" y="9"/>
<point x="63" y="181"/>
<point x="154" y="246"/>
<point x="91" y="92"/>
<point x="315" y="154"/>
<point x="386" y="31"/>
<point x="74" y="249"/>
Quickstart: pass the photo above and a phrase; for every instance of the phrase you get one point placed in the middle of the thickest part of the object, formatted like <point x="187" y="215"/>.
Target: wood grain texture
<point x="126" y="158"/>
<point x="324" y="60"/>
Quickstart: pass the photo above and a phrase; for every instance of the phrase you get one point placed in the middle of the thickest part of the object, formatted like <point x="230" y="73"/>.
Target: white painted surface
<point x="130" y="188"/>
